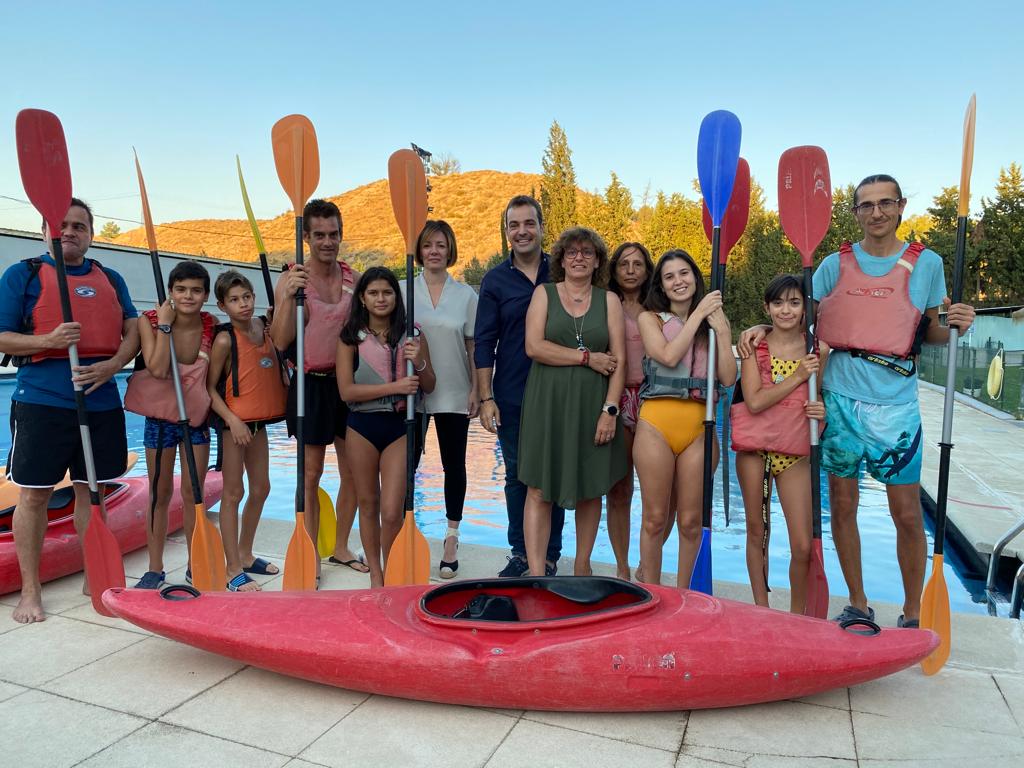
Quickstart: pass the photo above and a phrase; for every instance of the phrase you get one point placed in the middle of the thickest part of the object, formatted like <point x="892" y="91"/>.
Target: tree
<point x="1001" y="241"/>
<point x="843" y="226"/>
<point x="445" y="164"/>
<point x="110" y="231"/>
<point x="618" y="214"/>
<point x="473" y="273"/>
<point x="941" y="238"/>
<point x="676" y="222"/>
<point x="557" y="186"/>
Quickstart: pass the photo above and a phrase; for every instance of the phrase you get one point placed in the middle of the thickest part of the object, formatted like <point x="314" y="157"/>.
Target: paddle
<point x="206" y="552"/>
<point x="264" y="266"/>
<point x="297" y="159"/>
<point x="409" y="559"/>
<point x="805" y="212"/>
<point x="935" y="601"/>
<point x="718" y="152"/>
<point x="46" y="176"/>
<point x="734" y="222"/>
<point x="327" y="531"/>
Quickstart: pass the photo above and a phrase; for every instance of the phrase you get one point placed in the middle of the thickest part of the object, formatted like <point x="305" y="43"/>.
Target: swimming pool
<point x="485" y="520"/>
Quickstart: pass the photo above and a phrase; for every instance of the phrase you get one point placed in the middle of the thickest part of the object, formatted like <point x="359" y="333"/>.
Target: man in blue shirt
<point x="45" y="438"/>
<point x="502" y="365"/>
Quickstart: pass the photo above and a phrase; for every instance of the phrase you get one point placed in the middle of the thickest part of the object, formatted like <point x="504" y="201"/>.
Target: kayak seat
<point x="61" y="498"/>
<point x="486" y="607"/>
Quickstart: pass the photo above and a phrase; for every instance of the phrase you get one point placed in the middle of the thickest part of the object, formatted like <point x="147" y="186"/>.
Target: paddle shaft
<point x="410" y="400"/>
<point x="812" y="395"/>
<point x="300" y="377"/>
<point x="709" y="404"/>
<point x="267" y="282"/>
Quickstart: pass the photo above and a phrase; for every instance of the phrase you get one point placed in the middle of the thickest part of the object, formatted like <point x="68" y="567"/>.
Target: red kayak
<point x="559" y="643"/>
<point x="127" y="504"/>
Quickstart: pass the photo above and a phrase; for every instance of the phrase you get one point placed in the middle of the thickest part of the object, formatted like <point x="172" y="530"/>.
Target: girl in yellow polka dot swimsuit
<point x="786" y="393"/>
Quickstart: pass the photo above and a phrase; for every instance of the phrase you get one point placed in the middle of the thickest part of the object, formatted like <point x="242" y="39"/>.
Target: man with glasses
<point x="879" y="302"/>
<point x="502" y="365"/>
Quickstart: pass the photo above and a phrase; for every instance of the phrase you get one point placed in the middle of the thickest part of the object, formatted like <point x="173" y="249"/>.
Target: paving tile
<point x="137" y="563"/>
<point x="266" y="710"/>
<point x="1012" y="689"/>
<point x="42" y="651"/>
<point x="888" y="738"/>
<point x="912" y="696"/>
<point x="386" y="731"/>
<point x="779" y="728"/>
<point x="297" y="763"/>
<point x="147" y="679"/>
<point x="58" y="595"/>
<point x="7" y="622"/>
<point x="87" y="613"/>
<point x="9" y="690"/>
<point x="710" y="757"/>
<point x="166" y="746"/>
<point x="661" y="730"/>
<point x="539" y="746"/>
<point x="83" y="730"/>
<point x="837" y="698"/>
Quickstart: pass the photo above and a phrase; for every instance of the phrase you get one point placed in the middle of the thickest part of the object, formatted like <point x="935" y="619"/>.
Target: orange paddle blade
<point x="967" y="162"/>
<point x="408" y="184"/>
<point x="104" y="568"/>
<point x="209" y="573"/>
<point x="409" y="559"/>
<point x="817" y="585"/>
<point x="297" y="158"/>
<point x="147" y="217"/>
<point x="300" y="558"/>
<point x="935" y="616"/>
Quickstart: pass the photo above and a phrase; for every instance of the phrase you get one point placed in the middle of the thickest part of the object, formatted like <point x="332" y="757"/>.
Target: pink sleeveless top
<point x="634" y="353"/>
<point x="325" y="322"/>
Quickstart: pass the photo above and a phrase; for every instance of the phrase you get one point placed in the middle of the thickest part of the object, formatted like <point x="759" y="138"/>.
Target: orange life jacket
<point x="256" y="391"/>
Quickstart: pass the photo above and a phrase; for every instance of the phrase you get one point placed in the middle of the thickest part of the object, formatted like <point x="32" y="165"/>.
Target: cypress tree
<point x="557" y="186"/>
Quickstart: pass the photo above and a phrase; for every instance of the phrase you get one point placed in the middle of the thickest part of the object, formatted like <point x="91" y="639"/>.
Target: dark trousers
<point x="515" y="490"/>
<point x="452" y="431"/>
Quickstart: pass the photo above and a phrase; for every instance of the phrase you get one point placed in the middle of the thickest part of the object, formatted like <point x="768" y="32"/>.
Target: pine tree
<point x="844" y="224"/>
<point x="618" y="214"/>
<point x="1001" y="241"/>
<point x="557" y="186"/>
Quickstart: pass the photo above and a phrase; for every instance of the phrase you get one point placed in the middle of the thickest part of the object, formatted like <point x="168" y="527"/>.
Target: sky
<point x="882" y="86"/>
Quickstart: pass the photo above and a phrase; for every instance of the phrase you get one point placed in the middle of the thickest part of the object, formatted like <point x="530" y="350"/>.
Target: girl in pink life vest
<point x="372" y="379"/>
<point x="771" y="436"/>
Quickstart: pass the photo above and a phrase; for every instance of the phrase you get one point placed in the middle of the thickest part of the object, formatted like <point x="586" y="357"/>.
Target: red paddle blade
<point x="805" y="198"/>
<point x="817" y="585"/>
<point x="43" y="160"/>
<point x="297" y="158"/>
<point x="104" y="568"/>
<point x="408" y="184"/>
<point x="734" y="221"/>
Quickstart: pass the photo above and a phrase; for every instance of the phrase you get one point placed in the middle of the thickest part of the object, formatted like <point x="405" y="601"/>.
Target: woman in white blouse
<point x="445" y="310"/>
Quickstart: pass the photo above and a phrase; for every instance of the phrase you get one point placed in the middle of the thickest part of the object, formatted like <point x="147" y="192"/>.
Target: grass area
<point x="972" y="379"/>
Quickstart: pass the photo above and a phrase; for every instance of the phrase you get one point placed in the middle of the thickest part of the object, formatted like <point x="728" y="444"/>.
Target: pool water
<point x="485" y="519"/>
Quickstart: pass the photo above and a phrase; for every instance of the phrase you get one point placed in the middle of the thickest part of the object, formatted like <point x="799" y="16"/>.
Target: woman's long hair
<point x="359" y="317"/>
<point x="657" y="300"/>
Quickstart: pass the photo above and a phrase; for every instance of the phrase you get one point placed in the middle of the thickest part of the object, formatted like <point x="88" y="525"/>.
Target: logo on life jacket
<point x="873" y="293"/>
<point x="85" y="291"/>
<point x="266" y="362"/>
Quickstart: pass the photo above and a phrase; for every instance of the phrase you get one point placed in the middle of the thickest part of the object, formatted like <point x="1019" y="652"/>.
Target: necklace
<point x="579" y="329"/>
<point x="579" y="300"/>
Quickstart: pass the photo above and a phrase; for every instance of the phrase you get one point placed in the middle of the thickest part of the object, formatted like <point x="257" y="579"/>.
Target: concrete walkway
<point x="83" y="690"/>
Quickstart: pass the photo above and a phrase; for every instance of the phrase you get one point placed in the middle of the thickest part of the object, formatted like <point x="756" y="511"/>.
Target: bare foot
<point x="29" y="609"/>
<point x="638" y="574"/>
<point x="622" y="573"/>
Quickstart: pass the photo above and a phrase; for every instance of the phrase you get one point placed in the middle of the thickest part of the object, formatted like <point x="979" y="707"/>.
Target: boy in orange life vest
<point x="151" y="393"/>
<point x="43" y="405"/>
<point x="248" y="389"/>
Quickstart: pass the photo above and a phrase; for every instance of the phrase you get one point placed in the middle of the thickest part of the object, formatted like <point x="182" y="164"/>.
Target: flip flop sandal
<point x="239" y="581"/>
<point x="855" y="614"/>
<point x="261" y="567"/>
<point x="350" y="564"/>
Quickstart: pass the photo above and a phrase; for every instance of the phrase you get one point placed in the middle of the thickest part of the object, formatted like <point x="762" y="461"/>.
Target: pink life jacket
<point x="325" y="322"/>
<point x="687" y="379"/>
<point x="783" y="428"/>
<point x="379" y="363"/>
<point x="872" y="315"/>
<point x="154" y="398"/>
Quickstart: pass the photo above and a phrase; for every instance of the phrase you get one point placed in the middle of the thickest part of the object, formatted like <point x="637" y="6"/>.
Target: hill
<point x="471" y="202"/>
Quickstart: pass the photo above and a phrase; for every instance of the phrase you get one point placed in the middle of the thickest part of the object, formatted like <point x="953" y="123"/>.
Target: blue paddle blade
<point x="718" y="152"/>
<point x="700" y="581"/>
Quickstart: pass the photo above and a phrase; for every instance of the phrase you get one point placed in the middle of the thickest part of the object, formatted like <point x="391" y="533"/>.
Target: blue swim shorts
<point x="886" y="437"/>
<point x="166" y="434"/>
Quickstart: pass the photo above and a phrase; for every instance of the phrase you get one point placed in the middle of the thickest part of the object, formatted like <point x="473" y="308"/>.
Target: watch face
<point x="611" y="410"/>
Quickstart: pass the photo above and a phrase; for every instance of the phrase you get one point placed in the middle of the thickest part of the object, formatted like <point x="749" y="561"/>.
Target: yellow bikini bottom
<point x="679" y="421"/>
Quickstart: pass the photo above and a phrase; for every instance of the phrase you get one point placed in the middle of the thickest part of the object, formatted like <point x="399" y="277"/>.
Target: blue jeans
<point x="515" y="490"/>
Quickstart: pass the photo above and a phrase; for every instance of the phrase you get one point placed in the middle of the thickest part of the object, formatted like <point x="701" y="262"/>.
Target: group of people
<point x="585" y="367"/>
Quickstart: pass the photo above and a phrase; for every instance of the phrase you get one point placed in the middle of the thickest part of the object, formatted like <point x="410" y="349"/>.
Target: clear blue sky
<point x="882" y="86"/>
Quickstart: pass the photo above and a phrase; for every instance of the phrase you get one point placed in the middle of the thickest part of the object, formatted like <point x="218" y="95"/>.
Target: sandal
<point x="850" y="613"/>
<point x="449" y="569"/>
<point x="239" y="581"/>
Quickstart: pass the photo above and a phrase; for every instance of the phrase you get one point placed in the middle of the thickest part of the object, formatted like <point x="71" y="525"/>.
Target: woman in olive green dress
<point x="570" y="441"/>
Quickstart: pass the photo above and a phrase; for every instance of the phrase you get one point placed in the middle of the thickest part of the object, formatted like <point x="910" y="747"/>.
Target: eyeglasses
<point x="886" y="206"/>
<point x="580" y="252"/>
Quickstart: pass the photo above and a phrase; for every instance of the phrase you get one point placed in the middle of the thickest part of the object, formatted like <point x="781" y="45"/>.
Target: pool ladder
<point x="1017" y="598"/>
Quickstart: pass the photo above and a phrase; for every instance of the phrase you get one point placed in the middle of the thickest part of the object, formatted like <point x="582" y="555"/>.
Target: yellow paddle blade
<point x="297" y="158"/>
<point x="409" y="560"/>
<point x="248" y="209"/>
<point x="209" y="573"/>
<point x="408" y="184"/>
<point x="995" y="376"/>
<point x="327" y="533"/>
<point x="147" y="217"/>
<point x="300" y="558"/>
<point x="935" y="616"/>
<point x="967" y="162"/>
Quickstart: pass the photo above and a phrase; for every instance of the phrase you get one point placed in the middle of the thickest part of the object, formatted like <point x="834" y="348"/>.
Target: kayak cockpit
<point x="532" y="599"/>
<point x="61" y="506"/>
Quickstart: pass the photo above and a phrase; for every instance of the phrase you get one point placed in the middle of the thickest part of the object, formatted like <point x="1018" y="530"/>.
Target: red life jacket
<point x="257" y="391"/>
<point x="94" y="303"/>
<point x="783" y="428"/>
<point x="324" y="323"/>
<point x="872" y="315"/>
<point x="152" y="397"/>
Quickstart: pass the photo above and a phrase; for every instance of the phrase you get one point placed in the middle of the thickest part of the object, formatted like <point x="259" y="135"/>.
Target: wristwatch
<point x="610" y="409"/>
<point x="163" y="328"/>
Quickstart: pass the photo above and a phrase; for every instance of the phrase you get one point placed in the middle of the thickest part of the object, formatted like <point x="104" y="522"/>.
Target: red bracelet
<point x="586" y="357"/>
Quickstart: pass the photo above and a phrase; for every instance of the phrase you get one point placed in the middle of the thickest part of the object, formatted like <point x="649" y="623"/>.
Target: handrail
<point x="1018" y="593"/>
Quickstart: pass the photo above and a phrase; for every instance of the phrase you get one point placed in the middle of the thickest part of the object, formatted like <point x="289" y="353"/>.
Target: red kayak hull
<point x="127" y="517"/>
<point x="676" y="650"/>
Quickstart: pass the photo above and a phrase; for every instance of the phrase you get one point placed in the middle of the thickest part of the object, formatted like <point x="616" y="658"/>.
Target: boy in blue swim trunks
<point x="871" y="400"/>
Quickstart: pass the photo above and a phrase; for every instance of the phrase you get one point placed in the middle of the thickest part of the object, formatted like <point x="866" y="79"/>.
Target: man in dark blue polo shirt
<point x="502" y="365"/>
